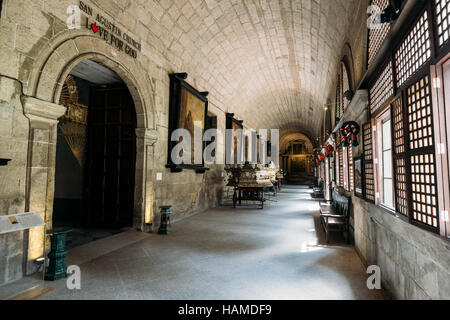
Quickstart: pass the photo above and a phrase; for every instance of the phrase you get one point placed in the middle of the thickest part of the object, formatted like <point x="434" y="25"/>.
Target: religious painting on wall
<point x="359" y="177"/>
<point x="258" y="147"/>
<point x="298" y="165"/>
<point x="188" y="110"/>
<point x="192" y="117"/>
<point x="298" y="148"/>
<point x="237" y="139"/>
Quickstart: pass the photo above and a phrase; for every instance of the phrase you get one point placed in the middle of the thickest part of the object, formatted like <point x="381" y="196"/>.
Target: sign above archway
<point x="109" y="31"/>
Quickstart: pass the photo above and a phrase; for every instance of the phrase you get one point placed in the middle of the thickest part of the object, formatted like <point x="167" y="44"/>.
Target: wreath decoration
<point x="349" y="131"/>
<point x="319" y="159"/>
<point x="329" y="151"/>
<point x="322" y="157"/>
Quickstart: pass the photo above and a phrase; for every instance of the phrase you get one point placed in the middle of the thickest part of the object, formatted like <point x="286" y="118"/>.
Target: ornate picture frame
<point x="187" y="107"/>
<point x="235" y="125"/>
<point x="358" y="163"/>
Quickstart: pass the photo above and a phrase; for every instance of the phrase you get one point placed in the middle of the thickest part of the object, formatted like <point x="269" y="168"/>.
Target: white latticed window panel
<point x="378" y="34"/>
<point x="442" y="20"/>
<point x="414" y="51"/>
<point x="383" y="89"/>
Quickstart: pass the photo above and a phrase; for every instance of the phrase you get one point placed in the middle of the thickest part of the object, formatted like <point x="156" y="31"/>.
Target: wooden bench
<point x="318" y="191"/>
<point x="335" y="216"/>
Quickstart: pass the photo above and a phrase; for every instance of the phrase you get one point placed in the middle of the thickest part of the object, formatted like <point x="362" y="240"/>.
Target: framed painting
<point x="237" y="140"/>
<point x="258" y="147"/>
<point x="359" y="176"/>
<point x="188" y="110"/>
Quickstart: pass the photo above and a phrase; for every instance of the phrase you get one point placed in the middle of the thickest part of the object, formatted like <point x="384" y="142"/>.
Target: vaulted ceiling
<point x="272" y="62"/>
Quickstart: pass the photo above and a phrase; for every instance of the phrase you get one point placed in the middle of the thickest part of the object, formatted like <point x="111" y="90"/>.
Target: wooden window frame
<point x="337" y="168"/>
<point x="383" y="117"/>
<point x="341" y="166"/>
<point x="369" y="167"/>
<point x="400" y="82"/>
<point x="441" y="97"/>
<point x="350" y="169"/>
<point x="414" y="152"/>
<point x="399" y="156"/>
<point x="438" y="53"/>
<point x="345" y="168"/>
<point x="381" y="85"/>
<point x="407" y="154"/>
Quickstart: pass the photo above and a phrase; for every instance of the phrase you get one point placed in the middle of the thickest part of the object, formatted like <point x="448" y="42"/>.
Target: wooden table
<point x="253" y="192"/>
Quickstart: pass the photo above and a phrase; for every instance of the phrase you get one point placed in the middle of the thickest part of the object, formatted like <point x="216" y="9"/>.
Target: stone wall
<point x="37" y="51"/>
<point x="13" y="145"/>
<point x="414" y="263"/>
<point x="353" y="54"/>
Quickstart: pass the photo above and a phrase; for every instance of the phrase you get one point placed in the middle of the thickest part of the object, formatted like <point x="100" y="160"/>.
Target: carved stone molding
<point x="42" y="112"/>
<point x="150" y="136"/>
<point x="356" y="109"/>
<point x="331" y="140"/>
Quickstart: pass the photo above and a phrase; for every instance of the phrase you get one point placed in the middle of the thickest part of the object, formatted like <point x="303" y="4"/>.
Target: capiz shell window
<point x="422" y="158"/>
<point x="382" y="90"/>
<point x="414" y="51"/>
<point x="378" y="32"/>
<point x="442" y="20"/>
<point x="368" y="162"/>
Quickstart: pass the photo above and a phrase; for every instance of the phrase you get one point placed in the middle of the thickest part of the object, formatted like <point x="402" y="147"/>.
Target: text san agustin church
<point x="218" y="149"/>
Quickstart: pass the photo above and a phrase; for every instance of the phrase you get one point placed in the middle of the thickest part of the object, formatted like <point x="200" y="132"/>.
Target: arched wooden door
<point x="111" y="158"/>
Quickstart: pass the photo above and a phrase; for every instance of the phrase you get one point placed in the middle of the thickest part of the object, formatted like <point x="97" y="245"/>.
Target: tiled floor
<point x="275" y="253"/>
<point x="78" y="236"/>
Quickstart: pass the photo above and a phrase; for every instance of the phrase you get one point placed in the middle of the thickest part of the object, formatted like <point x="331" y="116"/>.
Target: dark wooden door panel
<point x="111" y="158"/>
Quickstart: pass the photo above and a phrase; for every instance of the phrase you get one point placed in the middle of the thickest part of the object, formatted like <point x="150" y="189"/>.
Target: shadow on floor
<point x="81" y="236"/>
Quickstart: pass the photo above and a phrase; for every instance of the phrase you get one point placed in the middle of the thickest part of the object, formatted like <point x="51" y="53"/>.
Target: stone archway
<point x="298" y="166"/>
<point x="42" y="94"/>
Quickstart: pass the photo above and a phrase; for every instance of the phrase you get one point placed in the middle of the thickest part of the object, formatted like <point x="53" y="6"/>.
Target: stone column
<point x="40" y="176"/>
<point x="358" y="111"/>
<point x="144" y="190"/>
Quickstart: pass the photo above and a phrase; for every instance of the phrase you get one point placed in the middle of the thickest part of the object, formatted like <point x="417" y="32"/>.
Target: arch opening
<point x="96" y="150"/>
<point x="297" y="154"/>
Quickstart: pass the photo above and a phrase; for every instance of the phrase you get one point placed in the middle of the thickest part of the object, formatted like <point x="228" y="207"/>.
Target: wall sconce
<point x="349" y="95"/>
<point x="392" y="12"/>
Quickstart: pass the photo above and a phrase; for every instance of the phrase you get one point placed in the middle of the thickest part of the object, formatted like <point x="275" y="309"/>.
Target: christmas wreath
<point x="319" y="159"/>
<point x="349" y="132"/>
<point x="329" y="151"/>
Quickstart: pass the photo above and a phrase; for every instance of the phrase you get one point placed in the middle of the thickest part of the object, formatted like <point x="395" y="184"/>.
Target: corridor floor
<point x="224" y="253"/>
